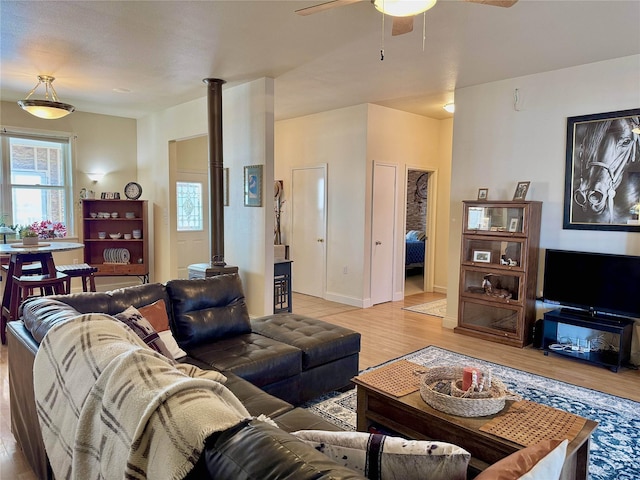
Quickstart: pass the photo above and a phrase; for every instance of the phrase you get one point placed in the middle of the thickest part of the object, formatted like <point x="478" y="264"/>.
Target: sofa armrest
<point x="259" y="451"/>
<point x="22" y="349"/>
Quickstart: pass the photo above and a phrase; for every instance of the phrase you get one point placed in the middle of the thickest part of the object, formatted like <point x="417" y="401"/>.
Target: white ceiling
<point x="161" y="50"/>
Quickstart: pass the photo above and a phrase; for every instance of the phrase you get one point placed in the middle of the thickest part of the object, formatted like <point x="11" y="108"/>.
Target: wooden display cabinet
<point x="131" y="215"/>
<point x="498" y="270"/>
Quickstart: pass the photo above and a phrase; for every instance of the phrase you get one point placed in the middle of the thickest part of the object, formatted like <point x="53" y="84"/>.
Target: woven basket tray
<point x="485" y="403"/>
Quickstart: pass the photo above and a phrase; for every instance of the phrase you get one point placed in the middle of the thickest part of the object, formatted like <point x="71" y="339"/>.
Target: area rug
<point x="437" y="308"/>
<point x="615" y="444"/>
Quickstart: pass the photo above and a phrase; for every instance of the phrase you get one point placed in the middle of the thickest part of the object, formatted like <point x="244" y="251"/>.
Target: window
<point x="190" y="212"/>
<point x="36" y="180"/>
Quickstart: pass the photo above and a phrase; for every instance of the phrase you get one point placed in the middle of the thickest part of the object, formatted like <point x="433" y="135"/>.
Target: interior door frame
<point x="432" y="195"/>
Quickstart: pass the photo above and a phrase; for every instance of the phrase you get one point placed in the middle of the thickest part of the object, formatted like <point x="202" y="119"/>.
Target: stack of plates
<point x="116" y="255"/>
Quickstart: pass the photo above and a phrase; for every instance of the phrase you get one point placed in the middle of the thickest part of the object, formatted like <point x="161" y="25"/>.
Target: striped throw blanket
<point x="111" y="408"/>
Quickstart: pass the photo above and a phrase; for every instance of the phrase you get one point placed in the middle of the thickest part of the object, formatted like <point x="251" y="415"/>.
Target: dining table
<point x="20" y="255"/>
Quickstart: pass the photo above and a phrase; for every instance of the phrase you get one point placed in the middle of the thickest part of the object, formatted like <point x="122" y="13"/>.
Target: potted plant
<point x="29" y="236"/>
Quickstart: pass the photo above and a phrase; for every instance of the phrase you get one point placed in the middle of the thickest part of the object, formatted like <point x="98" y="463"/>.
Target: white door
<point x="308" y="230"/>
<point x="192" y="209"/>
<point x="383" y="232"/>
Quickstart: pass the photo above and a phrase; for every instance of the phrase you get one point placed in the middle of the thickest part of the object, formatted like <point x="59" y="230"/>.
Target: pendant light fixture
<point x="50" y="108"/>
<point x="403" y="8"/>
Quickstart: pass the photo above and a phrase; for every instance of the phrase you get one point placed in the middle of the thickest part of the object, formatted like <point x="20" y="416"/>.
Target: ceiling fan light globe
<point x="403" y="8"/>
<point x="46" y="109"/>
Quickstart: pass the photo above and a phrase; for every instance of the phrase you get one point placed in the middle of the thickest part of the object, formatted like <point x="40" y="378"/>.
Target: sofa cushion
<point x="321" y="342"/>
<point x="207" y="309"/>
<point x="115" y="301"/>
<point x="253" y="357"/>
<point x="383" y="457"/>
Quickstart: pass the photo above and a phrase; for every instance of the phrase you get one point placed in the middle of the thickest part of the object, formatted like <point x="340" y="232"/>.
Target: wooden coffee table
<point x="411" y="417"/>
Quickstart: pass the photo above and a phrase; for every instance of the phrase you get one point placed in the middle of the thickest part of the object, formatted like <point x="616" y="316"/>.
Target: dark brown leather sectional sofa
<point x="272" y="364"/>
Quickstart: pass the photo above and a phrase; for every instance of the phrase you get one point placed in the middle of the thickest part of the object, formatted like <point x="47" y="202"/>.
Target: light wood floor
<point x="387" y="332"/>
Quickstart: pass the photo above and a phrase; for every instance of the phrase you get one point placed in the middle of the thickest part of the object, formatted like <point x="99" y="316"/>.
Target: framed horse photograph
<point x="602" y="176"/>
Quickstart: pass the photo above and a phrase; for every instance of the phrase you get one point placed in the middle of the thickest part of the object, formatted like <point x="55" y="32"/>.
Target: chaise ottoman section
<point x="329" y="352"/>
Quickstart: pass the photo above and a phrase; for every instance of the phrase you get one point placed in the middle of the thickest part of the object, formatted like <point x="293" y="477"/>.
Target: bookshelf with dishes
<point x="116" y="237"/>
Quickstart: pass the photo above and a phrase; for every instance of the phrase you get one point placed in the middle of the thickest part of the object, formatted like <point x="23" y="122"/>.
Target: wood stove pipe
<point x="216" y="186"/>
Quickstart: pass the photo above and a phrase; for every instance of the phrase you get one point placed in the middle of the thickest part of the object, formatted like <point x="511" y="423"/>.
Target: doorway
<point x="417" y="231"/>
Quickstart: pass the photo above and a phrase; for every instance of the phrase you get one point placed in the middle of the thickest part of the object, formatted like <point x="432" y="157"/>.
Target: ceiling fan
<point x="402" y="18"/>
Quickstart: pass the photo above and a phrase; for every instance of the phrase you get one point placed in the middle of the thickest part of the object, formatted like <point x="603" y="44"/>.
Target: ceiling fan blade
<point x="402" y="25"/>
<point x="321" y="7"/>
<point x="495" y="3"/>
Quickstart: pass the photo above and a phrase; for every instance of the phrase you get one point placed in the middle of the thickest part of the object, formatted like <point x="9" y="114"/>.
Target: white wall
<point x="247" y="140"/>
<point x="349" y="140"/>
<point x="495" y="146"/>
<point x="338" y="139"/>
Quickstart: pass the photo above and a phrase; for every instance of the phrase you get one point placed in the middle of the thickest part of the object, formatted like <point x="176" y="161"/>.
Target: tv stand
<point x="613" y="357"/>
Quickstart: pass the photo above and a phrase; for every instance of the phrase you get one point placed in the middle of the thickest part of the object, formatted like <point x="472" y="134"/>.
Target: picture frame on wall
<point x="602" y="172"/>
<point x="253" y="186"/>
<point x="483" y="193"/>
<point x="482" y="256"/>
<point x="521" y="191"/>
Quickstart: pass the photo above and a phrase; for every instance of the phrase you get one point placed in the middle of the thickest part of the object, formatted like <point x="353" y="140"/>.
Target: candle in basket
<point x="468" y="376"/>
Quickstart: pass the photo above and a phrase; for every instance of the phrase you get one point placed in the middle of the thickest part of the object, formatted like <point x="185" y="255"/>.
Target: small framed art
<point x="483" y="193"/>
<point x="253" y="186"/>
<point x="513" y="225"/>
<point x="481" y="256"/>
<point x="521" y="191"/>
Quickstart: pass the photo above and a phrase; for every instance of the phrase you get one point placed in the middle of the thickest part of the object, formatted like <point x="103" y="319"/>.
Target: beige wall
<point x="103" y="143"/>
<point x="495" y="146"/>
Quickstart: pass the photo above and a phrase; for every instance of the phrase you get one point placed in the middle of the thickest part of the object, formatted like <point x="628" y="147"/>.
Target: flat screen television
<point x="597" y="283"/>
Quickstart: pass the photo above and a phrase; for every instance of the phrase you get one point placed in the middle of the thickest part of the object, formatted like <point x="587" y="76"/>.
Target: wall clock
<point x="133" y="190"/>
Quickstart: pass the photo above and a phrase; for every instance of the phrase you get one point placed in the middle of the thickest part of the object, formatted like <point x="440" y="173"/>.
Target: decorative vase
<point x="30" y="241"/>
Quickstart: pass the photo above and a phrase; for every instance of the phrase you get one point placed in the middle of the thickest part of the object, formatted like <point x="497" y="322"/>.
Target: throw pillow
<point x="156" y="314"/>
<point x="383" y="457"/>
<point x="171" y="344"/>
<point x="134" y="320"/>
<point x="542" y="461"/>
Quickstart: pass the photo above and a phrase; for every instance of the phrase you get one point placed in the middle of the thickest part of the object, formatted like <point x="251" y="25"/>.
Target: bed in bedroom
<point x="414" y="251"/>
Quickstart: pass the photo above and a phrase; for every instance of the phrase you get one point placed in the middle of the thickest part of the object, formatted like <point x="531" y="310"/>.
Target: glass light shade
<point x="450" y="107"/>
<point x="403" y="8"/>
<point x="50" y="108"/>
<point x="46" y="109"/>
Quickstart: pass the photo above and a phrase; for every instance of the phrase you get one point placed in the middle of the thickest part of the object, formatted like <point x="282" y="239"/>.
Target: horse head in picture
<point x="607" y="169"/>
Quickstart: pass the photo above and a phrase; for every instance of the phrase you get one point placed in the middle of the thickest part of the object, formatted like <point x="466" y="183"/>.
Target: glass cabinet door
<point x="493" y="318"/>
<point x="503" y="286"/>
<point x="490" y="252"/>
<point x="494" y="219"/>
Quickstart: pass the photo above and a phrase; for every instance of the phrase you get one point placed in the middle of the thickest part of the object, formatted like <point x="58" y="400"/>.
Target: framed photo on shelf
<point x="482" y="256"/>
<point x="513" y="225"/>
<point x="521" y="190"/>
<point x="602" y="176"/>
<point x="253" y="186"/>
<point x="483" y="193"/>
